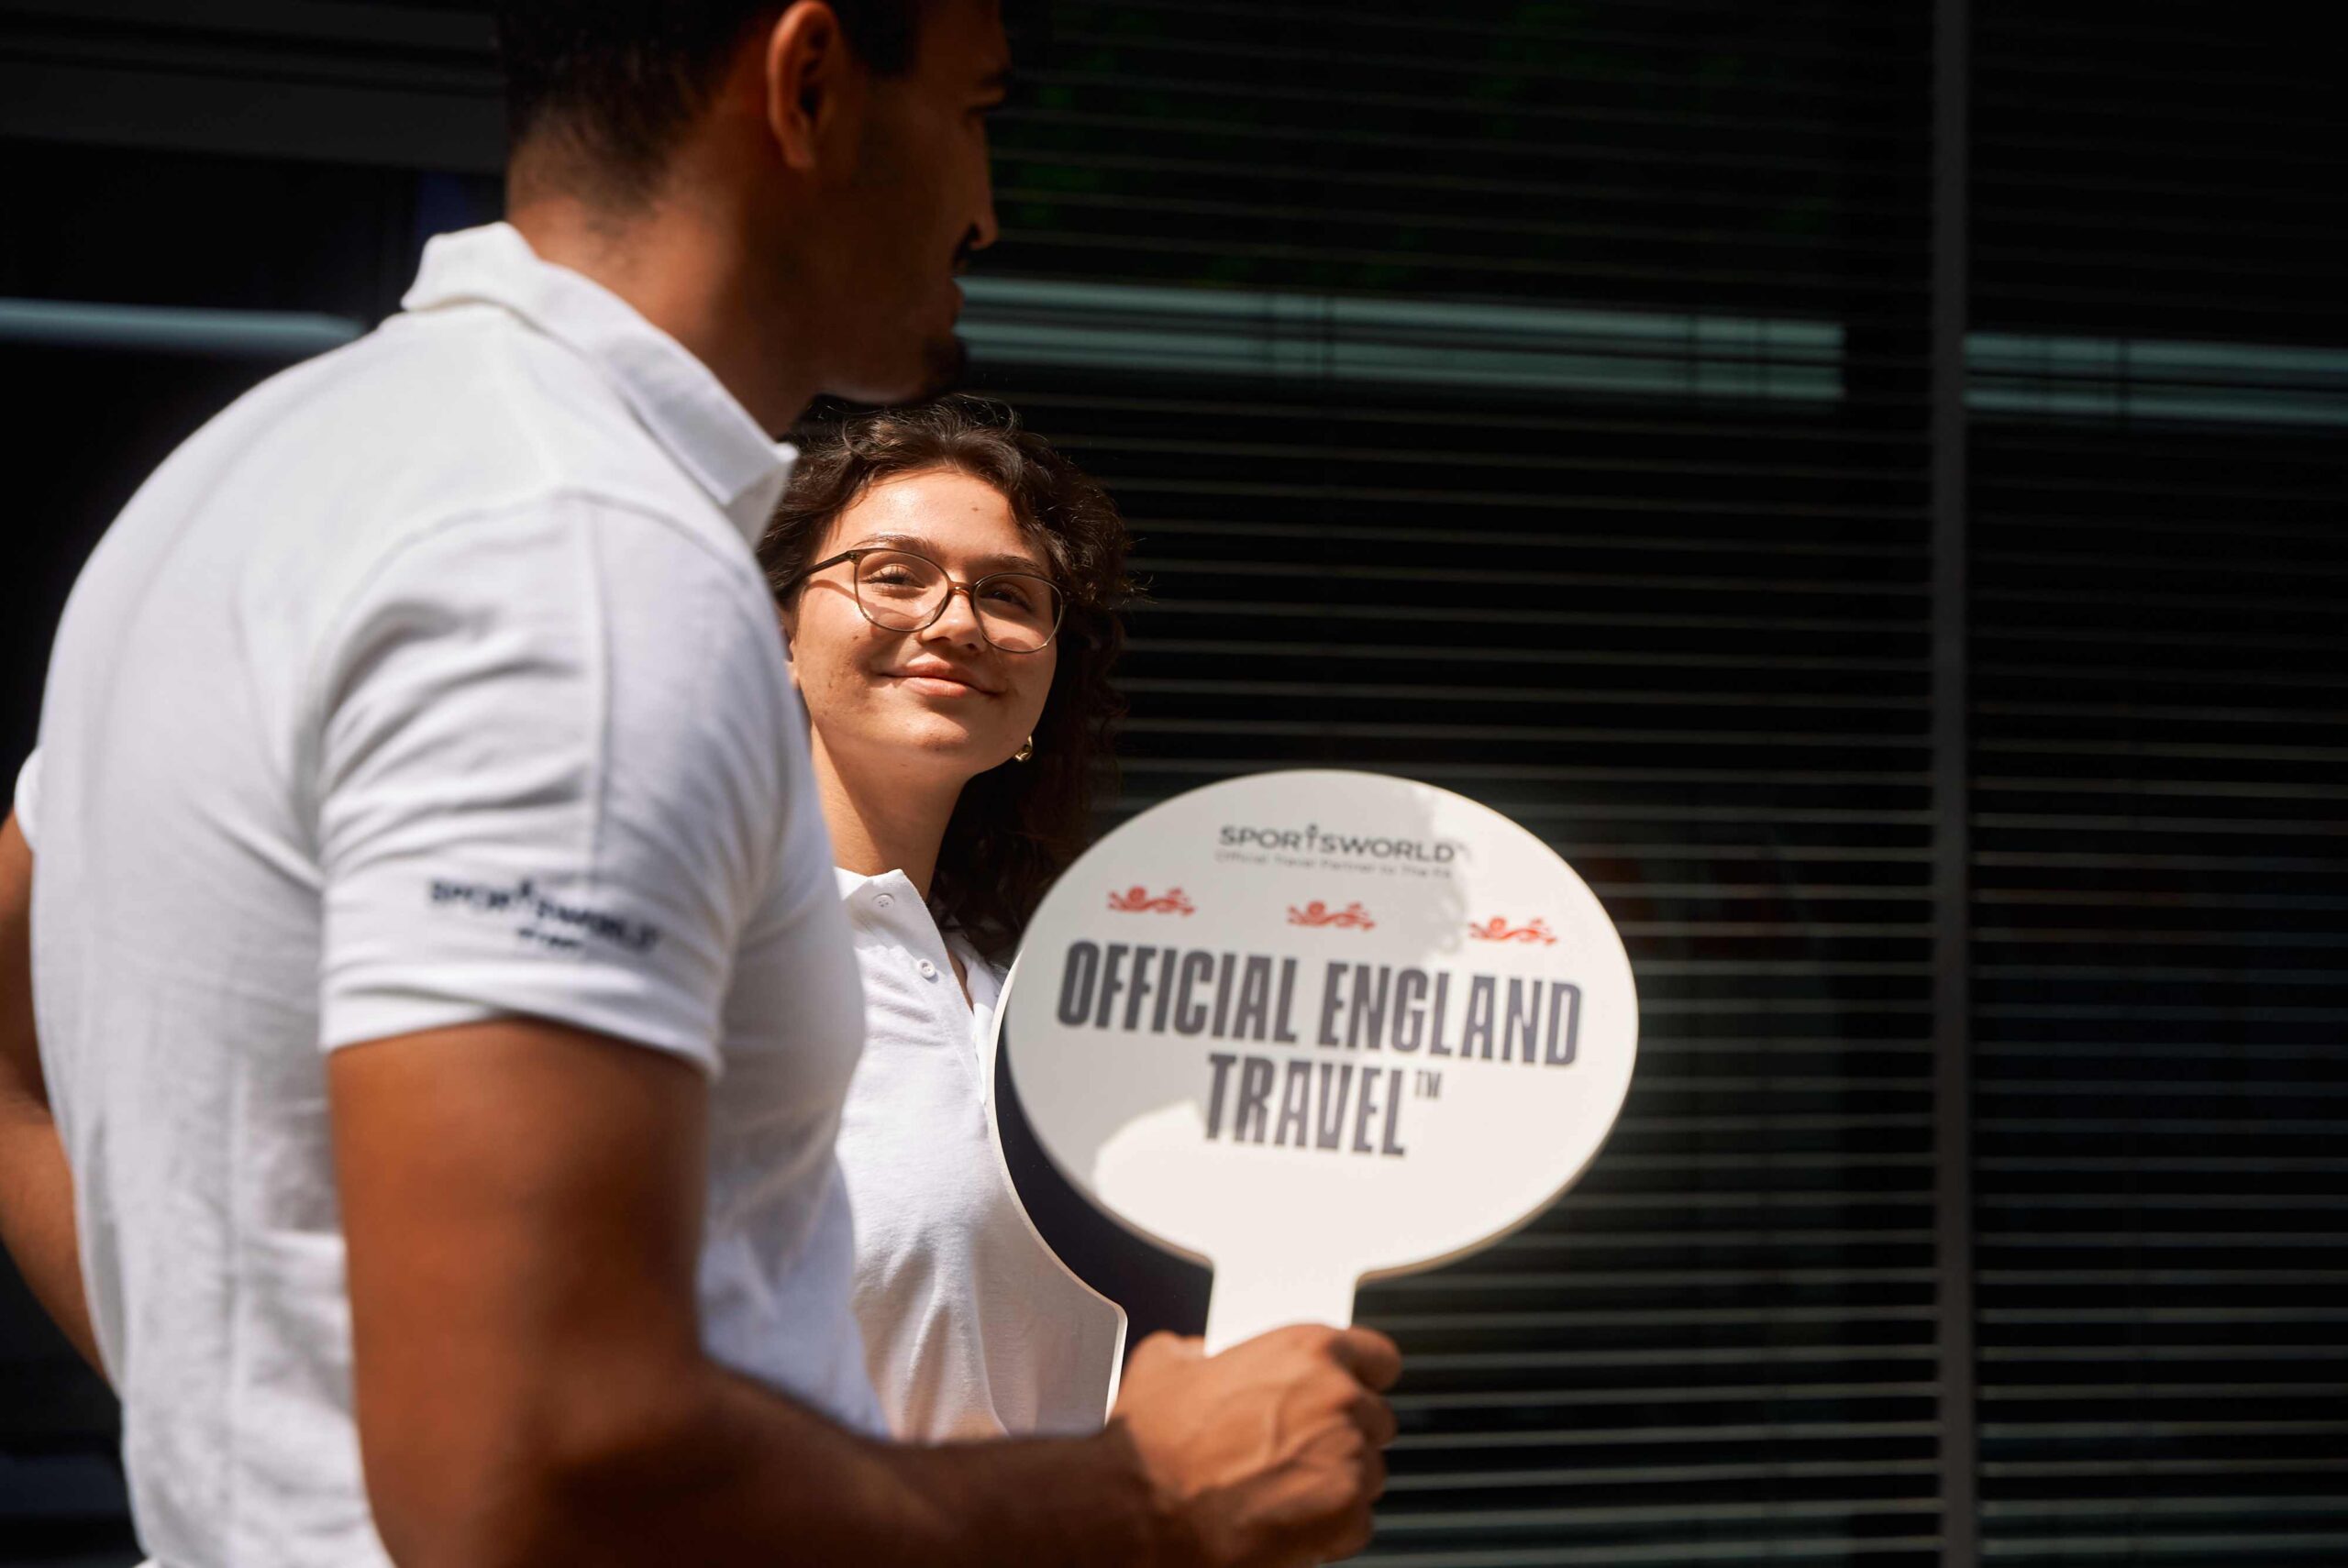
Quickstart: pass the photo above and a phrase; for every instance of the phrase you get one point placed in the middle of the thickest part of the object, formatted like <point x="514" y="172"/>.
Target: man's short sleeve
<point x="28" y="802"/>
<point x="550" y="779"/>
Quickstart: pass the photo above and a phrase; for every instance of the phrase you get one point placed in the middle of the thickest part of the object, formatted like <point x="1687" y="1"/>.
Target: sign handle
<point x="1252" y="1295"/>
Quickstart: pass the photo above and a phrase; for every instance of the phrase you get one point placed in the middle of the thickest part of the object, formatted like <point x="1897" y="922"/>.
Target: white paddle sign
<point x="1312" y="1028"/>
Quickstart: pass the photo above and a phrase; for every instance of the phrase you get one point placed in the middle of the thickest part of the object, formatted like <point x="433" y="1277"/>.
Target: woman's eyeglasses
<point x="1018" y="612"/>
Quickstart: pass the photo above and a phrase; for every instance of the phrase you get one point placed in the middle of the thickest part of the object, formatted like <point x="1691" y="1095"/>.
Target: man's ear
<point x="816" y="87"/>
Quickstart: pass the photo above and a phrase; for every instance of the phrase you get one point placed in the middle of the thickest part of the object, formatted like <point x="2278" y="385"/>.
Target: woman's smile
<point x="935" y="677"/>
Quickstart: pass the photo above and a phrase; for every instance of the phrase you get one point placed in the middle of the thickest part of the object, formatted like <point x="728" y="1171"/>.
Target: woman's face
<point x="938" y="702"/>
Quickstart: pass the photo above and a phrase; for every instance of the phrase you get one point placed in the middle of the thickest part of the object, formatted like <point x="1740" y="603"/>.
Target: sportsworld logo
<point x="1310" y="840"/>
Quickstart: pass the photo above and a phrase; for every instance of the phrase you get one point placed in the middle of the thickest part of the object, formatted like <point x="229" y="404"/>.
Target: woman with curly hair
<point x="950" y="586"/>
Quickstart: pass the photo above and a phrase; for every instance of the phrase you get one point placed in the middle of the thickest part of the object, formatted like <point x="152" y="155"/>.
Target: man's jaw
<point x="947" y="362"/>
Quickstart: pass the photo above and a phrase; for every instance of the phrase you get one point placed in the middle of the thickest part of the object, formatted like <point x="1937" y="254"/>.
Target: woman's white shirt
<point x="972" y="1327"/>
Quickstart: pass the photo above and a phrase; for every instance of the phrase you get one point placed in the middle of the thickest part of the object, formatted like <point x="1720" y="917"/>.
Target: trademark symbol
<point x="1425" y="1085"/>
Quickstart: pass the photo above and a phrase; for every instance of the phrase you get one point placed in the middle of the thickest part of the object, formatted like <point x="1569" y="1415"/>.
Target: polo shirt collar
<point x="676" y="397"/>
<point x="857" y="888"/>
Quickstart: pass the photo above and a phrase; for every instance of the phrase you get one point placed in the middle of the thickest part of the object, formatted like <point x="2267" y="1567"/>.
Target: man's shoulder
<point x="508" y="413"/>
<point x="453" y="429"/>
<point x="432" y="414"/>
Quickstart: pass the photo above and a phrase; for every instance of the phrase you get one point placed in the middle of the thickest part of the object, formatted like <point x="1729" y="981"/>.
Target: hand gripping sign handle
<point x="1252" y="1295"/>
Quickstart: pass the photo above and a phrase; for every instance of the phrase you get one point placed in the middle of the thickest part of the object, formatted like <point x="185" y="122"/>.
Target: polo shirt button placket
<point x="928" y="969"/>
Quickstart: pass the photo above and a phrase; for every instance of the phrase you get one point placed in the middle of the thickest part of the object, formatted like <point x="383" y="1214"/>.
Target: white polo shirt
<point x="432" y="683"/>
<point x="972" y="1327"/>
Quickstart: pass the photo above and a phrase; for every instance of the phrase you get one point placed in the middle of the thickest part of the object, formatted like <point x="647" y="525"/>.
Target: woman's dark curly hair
<point x="1017" y="826"/>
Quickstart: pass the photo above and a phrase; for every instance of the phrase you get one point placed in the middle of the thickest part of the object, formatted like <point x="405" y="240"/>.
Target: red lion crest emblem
<point x="1137" y="901"/>
<point x="1353" y="917"/>
<point x="1499" y="930"/>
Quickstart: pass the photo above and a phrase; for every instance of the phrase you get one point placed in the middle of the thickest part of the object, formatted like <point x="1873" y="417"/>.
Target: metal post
<point x="1951" y="989"/>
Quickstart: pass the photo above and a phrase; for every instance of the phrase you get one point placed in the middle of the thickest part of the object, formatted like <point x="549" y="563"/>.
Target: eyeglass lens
<point x="1017" y="612"/>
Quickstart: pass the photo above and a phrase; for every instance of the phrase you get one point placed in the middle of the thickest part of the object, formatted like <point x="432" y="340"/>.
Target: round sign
<point x="1312" y="1028"/>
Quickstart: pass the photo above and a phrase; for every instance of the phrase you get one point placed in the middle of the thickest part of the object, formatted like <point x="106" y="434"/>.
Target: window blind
<point x="1532" y="404"/>
<point x="2161" y="879"/>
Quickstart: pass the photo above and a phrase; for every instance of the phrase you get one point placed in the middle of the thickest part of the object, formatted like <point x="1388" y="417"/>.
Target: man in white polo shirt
<point x="444" y="1006"/>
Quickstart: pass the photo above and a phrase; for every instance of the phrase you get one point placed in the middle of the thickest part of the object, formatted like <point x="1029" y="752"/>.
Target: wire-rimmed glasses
<point x="897" y="591"/>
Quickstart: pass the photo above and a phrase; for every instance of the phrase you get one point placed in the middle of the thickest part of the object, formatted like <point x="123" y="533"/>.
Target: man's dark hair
<point x="618" y="78"/>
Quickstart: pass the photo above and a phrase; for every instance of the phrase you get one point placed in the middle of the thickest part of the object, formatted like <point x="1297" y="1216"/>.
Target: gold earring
<point x="1027" y="750"/>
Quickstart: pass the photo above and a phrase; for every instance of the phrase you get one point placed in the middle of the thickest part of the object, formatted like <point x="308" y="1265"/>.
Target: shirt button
<point x="928" y="970"/>
<point x="885" y="899"/>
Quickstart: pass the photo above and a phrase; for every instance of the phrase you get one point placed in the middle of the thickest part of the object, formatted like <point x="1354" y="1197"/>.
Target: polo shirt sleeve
<point x="550" y="779"/>
<point x="28" y="802"/>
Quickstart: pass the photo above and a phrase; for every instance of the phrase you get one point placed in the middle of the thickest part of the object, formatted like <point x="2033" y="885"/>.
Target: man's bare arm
<point x="36" y="1187"/>
<point x="522" y="1204"/>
